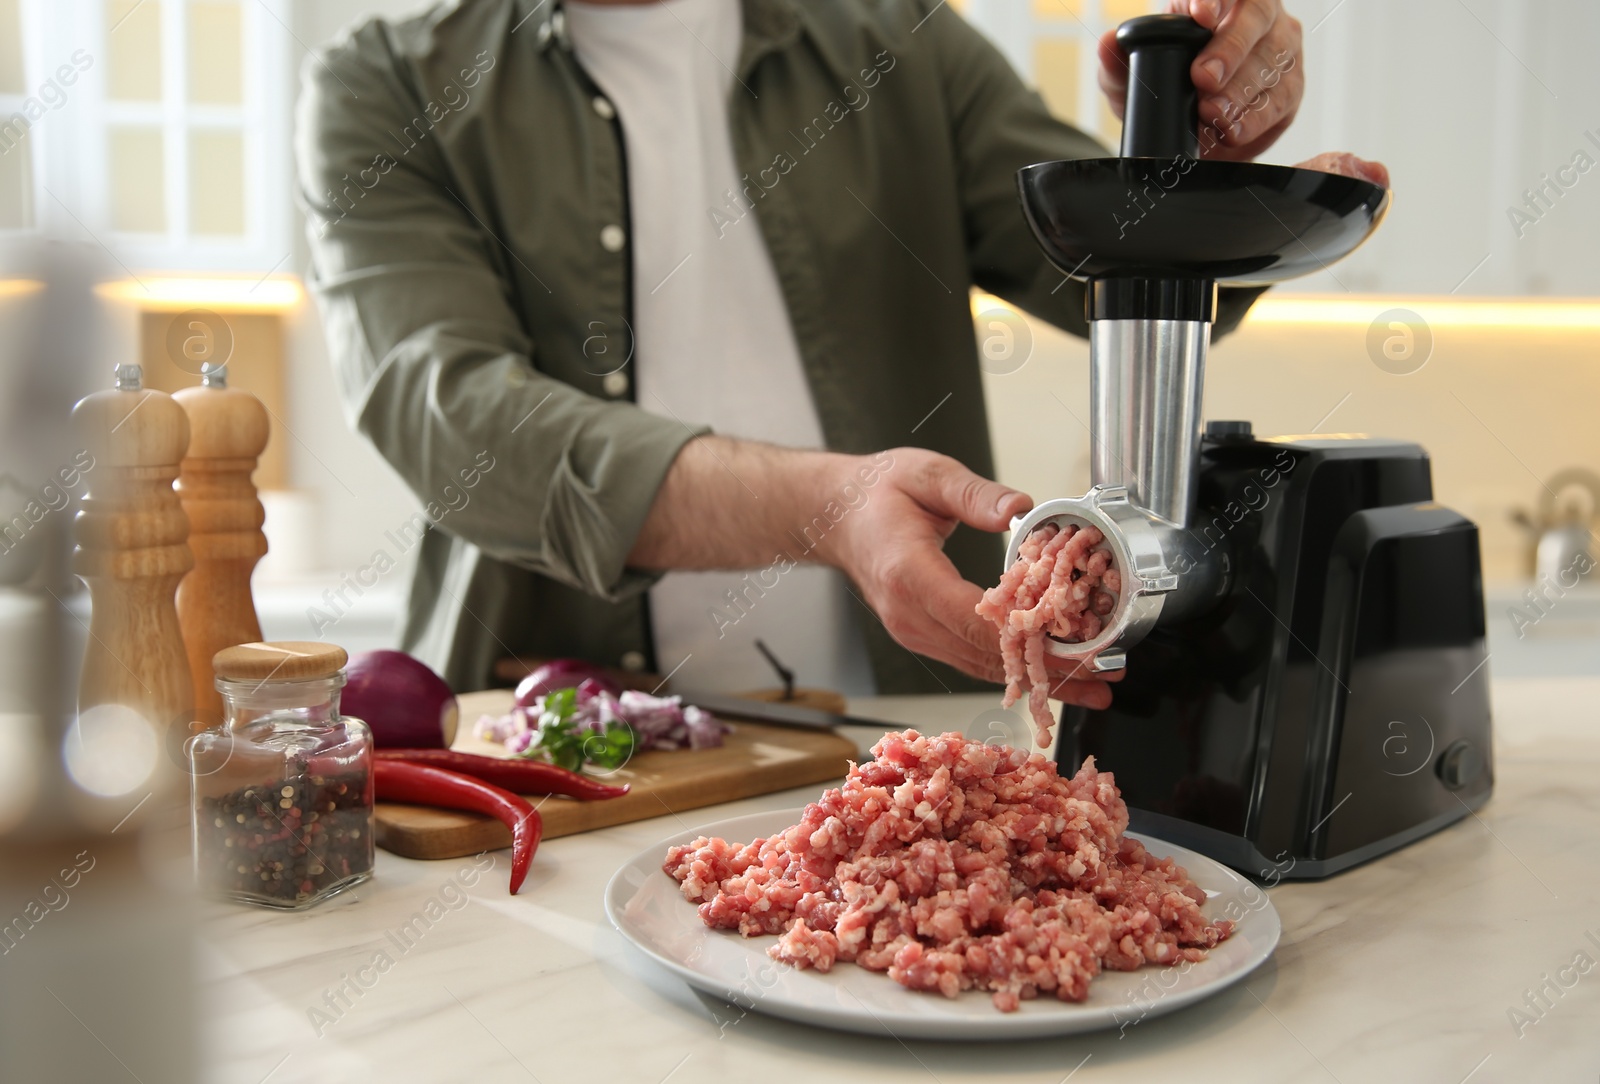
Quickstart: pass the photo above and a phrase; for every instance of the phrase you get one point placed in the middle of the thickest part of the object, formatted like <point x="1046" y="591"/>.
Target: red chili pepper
<point x="397" y="781"/>
<point x="520" y="776"/>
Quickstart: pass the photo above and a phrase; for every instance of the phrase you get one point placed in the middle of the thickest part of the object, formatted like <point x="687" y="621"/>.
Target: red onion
<point x="657" y="722"/>
<point x="565" y="674"/>
<point x="407" y="705"/>
<point x="589" y="688"/>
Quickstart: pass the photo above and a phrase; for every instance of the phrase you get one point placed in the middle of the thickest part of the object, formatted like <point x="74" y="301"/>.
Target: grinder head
<point x="1154" y="231"/>
<point x="1135" y="553"/>
<point x="1165" y="571"/>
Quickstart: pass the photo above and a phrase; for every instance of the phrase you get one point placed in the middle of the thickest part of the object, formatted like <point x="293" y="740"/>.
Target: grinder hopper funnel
<point x="1161" y="212"/>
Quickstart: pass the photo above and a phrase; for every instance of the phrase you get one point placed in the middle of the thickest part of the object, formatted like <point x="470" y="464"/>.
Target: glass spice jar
<point x="282" y="789"/>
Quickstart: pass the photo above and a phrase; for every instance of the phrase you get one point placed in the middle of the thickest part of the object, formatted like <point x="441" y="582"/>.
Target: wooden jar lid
<point x="281" y="660"/>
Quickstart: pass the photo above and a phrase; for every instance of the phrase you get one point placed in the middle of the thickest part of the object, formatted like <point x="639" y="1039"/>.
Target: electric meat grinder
<point x="1302" y="627"/>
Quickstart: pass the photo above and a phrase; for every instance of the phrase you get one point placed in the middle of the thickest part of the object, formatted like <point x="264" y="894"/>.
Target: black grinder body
<point x="1335" y="705"/>
<point x="1302" y="627"/>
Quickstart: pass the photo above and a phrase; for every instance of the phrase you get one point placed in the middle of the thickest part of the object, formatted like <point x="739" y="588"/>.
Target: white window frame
<point x="38" y="138"/>
<point x="73" y="189"/>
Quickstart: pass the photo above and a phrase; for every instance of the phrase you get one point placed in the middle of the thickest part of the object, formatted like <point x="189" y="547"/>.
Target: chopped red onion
<point x="657" y="722"/>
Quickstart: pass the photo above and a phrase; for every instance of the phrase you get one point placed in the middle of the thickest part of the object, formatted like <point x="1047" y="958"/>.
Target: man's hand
<point x="893" y="548"/>
<point x="881" y="519"/>
<point x="1250" y="76"/>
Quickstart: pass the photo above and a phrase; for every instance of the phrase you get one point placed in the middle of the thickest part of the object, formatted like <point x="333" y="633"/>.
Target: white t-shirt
<point x="714" y="344"/>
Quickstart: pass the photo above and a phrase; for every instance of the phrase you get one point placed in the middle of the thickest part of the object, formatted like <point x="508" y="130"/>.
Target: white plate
<point x="647" y="907"/>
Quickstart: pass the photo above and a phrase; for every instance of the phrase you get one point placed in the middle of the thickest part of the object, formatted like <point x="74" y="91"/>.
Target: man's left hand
<point x="1250" y="76"/>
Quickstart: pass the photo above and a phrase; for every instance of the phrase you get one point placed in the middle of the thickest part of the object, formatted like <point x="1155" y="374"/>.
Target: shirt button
<point x="604" y="107"/>
<point x="615" y="384"/>
<point x="633" y="660"/>
<point x="612" y="238"/>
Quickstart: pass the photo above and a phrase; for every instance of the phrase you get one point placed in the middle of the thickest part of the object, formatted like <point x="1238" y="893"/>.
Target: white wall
<point x="1468" y="102"/>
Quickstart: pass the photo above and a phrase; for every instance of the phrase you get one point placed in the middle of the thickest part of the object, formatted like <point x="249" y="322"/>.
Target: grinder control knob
<point x="1459" y="765"/>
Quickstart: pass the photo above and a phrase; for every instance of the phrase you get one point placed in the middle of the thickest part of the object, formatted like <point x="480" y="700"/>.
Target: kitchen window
<point x="159" y="127"/>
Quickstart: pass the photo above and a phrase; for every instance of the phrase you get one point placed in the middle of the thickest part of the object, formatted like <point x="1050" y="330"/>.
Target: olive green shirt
<point x="467" y="198"/>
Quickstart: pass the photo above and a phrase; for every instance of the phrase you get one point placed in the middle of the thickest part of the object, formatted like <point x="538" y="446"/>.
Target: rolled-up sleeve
<point x="435" y="365"/>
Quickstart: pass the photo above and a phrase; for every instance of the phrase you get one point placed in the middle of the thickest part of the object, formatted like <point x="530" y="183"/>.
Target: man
<point x="681" y="286"/>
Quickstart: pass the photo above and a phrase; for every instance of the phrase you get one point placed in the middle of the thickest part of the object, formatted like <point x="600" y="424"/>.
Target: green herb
<point x="566" y="745"/>
<point x="611" y="749"/>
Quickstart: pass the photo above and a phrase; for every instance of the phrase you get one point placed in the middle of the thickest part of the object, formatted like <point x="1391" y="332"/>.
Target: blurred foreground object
<point x="96" y="962"/>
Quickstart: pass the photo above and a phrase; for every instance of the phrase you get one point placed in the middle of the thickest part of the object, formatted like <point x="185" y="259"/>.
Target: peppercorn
<point x="283" y="862"/>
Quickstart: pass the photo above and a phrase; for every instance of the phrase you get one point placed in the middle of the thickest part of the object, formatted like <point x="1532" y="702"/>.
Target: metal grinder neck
<point x="1148" y="340"/>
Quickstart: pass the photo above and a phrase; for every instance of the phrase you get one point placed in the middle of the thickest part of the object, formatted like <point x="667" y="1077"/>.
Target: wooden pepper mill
<point x="228" y="431"/>
<point x="133" y="550"/>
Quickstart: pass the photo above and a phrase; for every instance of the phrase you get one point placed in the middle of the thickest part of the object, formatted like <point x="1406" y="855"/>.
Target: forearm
<point x="728" y="504"/>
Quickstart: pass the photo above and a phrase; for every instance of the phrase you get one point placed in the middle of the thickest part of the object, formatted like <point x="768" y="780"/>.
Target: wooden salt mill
<point x="228" y="430"/>
<point x="132" y="550"/>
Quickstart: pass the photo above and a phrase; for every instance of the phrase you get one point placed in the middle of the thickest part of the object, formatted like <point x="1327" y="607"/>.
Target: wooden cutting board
<point x="754" y="759"/>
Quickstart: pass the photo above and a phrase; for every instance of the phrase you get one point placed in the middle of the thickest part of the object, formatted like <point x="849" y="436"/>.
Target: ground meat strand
<point x="1061" y="587"/>
<point x="956" y="865"/>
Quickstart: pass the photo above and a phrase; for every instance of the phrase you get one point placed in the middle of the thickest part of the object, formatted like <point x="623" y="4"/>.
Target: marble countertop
<point x="1405" y="969"/>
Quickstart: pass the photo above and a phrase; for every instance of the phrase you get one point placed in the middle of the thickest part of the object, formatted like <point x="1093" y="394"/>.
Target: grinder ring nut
<point x="1136" y="553"/>
<point x="1070" y="520"/>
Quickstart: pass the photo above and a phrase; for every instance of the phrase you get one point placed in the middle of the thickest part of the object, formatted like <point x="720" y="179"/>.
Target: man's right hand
<point x="735" y="504"/>
<point x="892" y="546"/>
